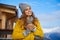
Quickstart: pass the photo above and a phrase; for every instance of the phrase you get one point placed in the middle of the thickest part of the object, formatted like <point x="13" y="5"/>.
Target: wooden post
<point x="3" y="21"/>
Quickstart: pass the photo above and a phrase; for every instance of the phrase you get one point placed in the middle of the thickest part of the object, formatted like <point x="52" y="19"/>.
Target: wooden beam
<point x="8" y="11"/>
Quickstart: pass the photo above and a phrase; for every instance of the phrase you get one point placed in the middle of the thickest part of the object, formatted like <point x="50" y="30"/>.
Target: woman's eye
<point x="26" y="9"/>
<point x="29" y="8"/>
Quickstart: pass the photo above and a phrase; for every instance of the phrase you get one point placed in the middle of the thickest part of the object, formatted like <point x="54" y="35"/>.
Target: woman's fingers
<point x="30" y="26"/>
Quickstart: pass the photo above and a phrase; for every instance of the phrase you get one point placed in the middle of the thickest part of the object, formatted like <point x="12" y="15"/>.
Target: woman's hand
<point x="30" y="26"/>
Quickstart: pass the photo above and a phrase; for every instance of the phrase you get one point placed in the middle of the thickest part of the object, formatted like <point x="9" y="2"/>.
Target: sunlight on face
<point x="28" y="11"/>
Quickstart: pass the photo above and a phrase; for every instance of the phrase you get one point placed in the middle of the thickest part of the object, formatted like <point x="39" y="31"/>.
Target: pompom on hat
<point x="23" y="6"/>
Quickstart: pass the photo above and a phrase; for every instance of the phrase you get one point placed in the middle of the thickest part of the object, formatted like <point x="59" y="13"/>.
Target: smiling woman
<point x="27" y="26"/>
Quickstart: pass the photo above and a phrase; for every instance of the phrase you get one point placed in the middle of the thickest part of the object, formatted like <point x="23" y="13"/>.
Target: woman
<point x="27" y="26"/>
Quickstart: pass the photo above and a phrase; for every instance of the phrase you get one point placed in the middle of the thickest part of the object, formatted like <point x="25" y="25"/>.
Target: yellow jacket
<point x="19" y="29"/>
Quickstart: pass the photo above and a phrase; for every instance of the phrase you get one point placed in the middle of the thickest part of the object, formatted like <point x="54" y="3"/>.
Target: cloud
<point x="48" y="20"/>
<point x="50" y="30"/>
<point x="58" y="4"/>
<point x="49" y="17"/>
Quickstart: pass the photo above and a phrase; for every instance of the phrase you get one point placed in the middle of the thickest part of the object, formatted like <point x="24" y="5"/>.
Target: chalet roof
<point x="9" y="10"/>
<point x="7" y="6"/>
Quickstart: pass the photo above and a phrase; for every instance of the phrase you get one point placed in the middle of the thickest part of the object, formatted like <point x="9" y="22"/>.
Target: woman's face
<point x="28" y="11"/>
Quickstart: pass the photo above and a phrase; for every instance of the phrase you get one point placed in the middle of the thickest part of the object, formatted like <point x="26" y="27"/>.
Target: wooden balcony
<point x="8" y="15"/>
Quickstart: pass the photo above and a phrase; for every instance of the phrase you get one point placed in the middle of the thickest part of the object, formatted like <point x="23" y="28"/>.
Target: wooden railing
<point x="5" y="32"/>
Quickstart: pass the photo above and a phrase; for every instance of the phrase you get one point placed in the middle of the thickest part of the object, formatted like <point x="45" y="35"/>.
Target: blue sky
<point x="47" y="11"/>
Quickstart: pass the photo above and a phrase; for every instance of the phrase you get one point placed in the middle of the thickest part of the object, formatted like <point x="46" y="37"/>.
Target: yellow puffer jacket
<point x="19" y="29"/>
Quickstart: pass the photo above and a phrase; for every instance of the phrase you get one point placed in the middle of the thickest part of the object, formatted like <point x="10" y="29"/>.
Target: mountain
<point x="52" y="34"/>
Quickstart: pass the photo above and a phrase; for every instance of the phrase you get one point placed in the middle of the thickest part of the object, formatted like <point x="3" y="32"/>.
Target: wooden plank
<point x="6" y="31"/>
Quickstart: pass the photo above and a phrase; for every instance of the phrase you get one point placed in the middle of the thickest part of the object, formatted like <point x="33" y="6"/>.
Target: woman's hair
<point x="24" y="17"/>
